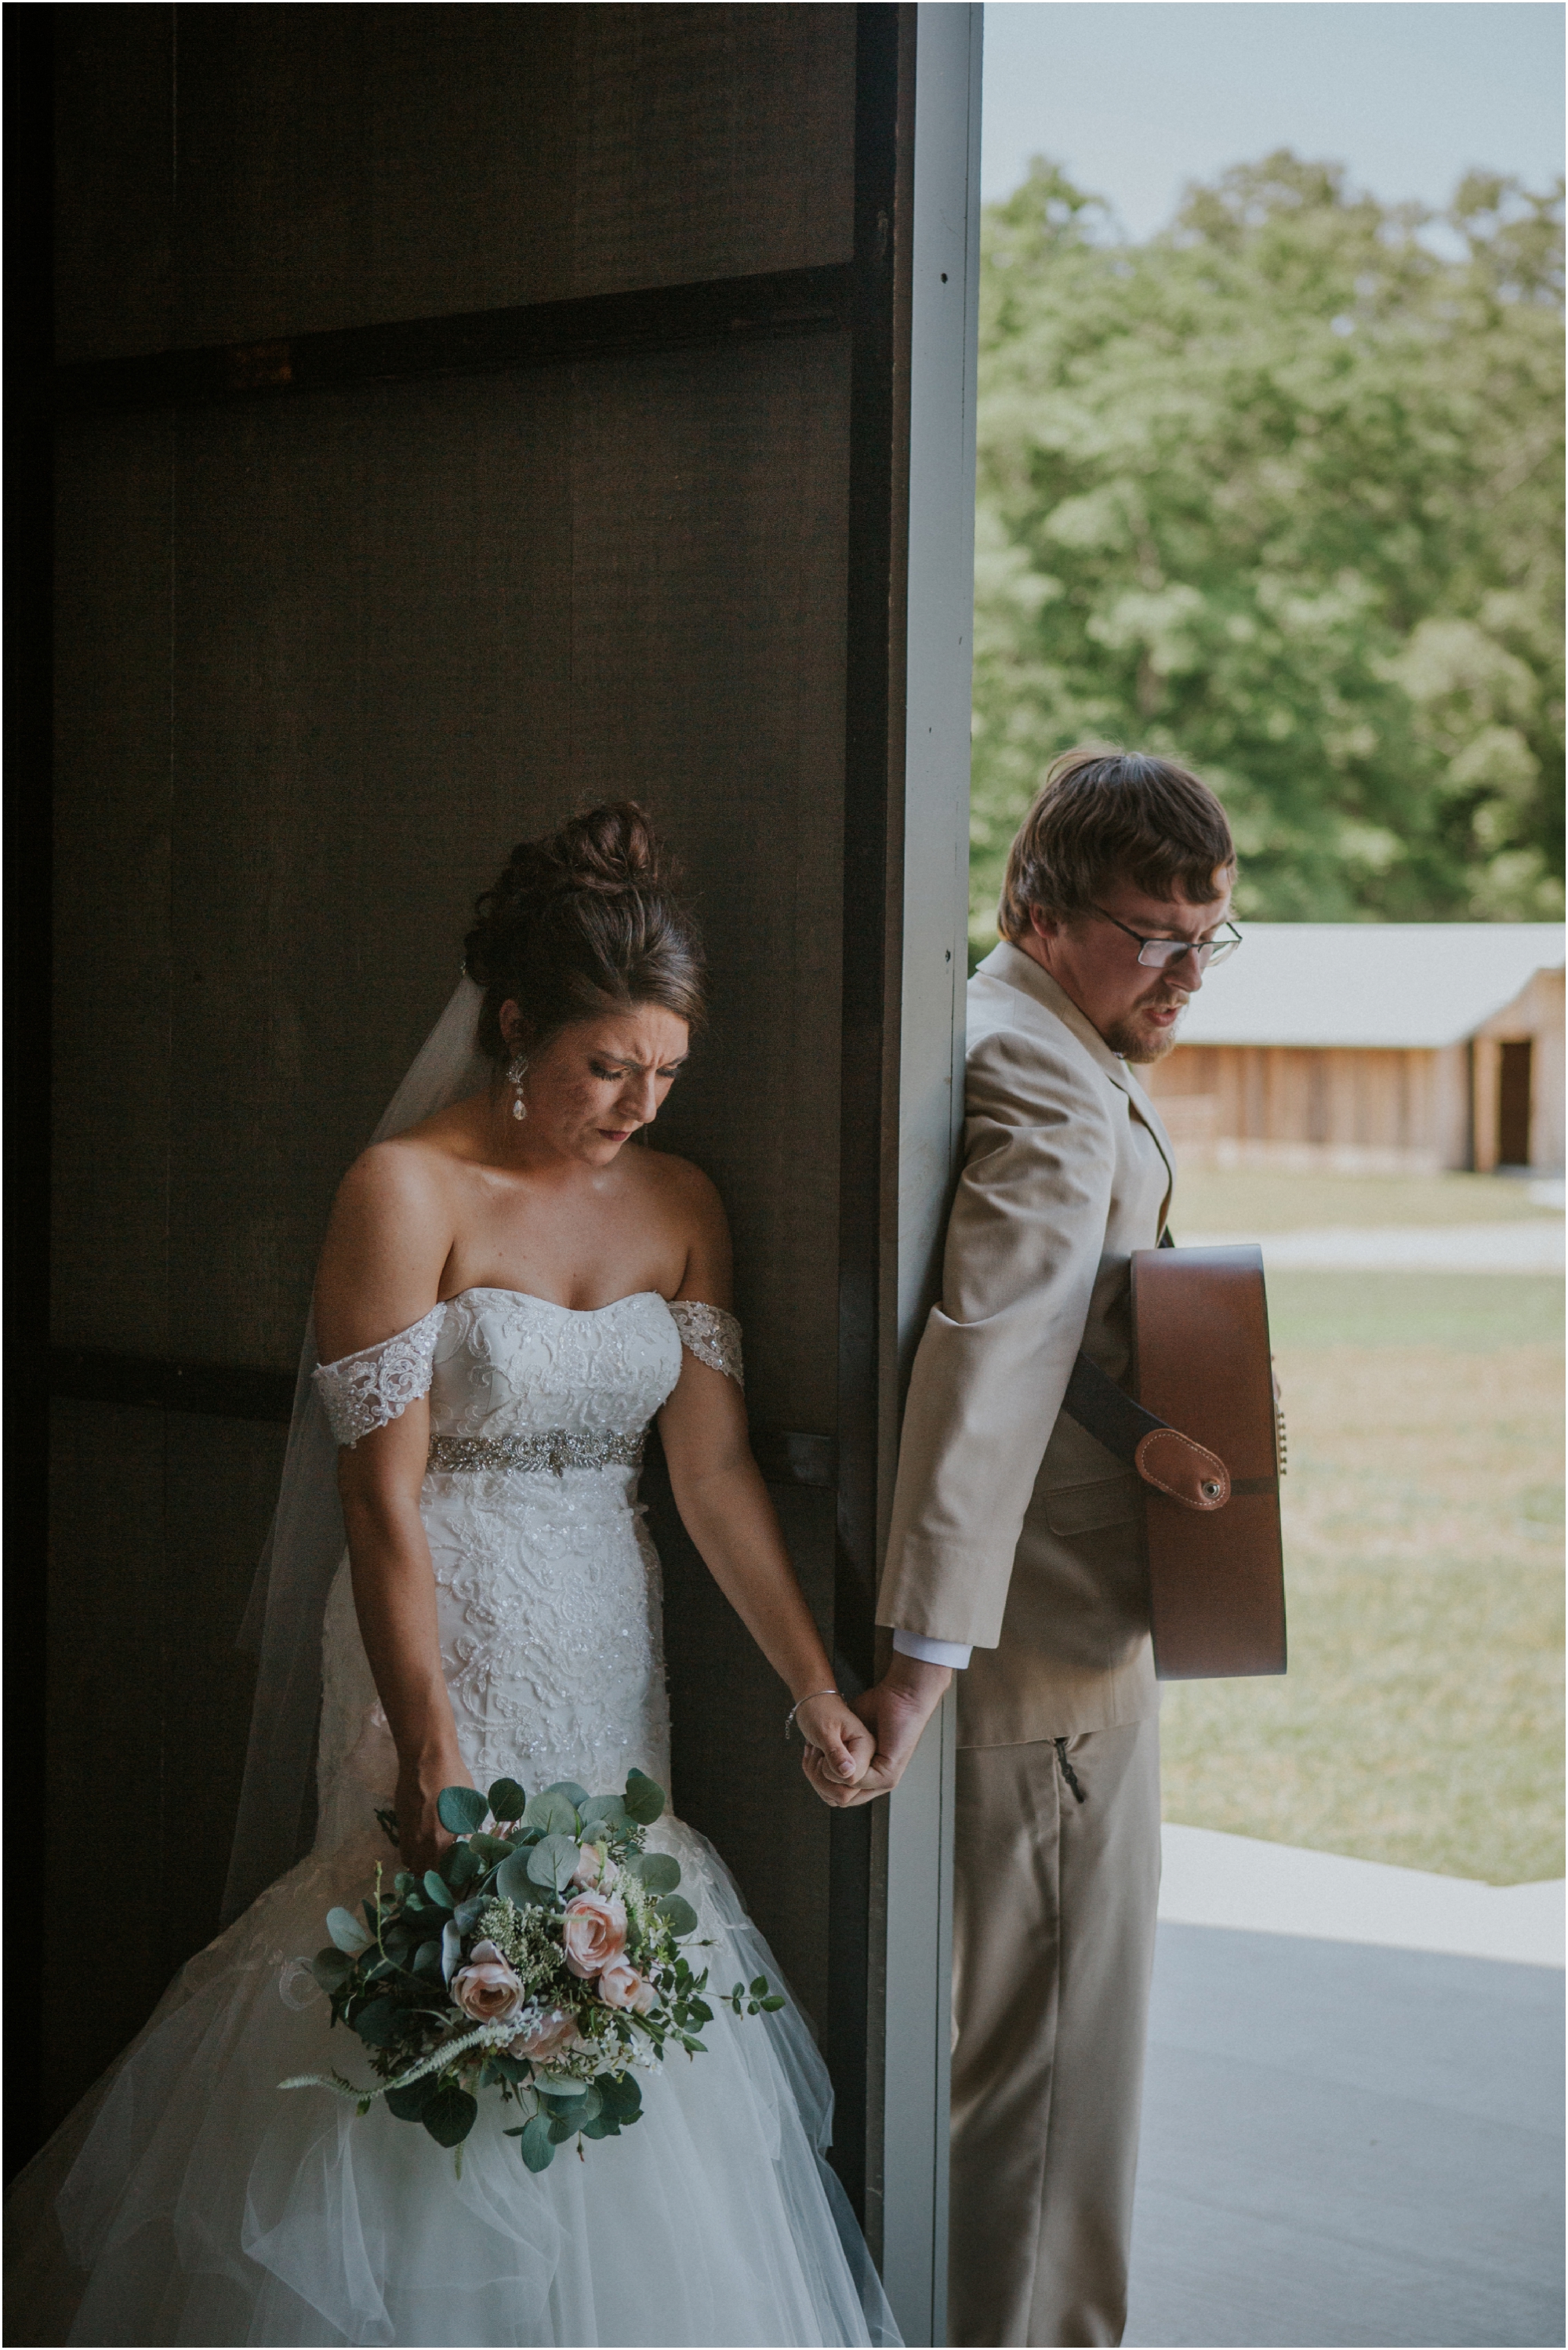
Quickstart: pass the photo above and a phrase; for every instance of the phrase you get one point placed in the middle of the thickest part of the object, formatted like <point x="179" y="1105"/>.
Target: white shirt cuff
<point x="954" y="1654"/>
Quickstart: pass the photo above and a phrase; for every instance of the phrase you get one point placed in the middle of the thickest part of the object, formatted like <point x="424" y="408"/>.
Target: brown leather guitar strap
<point x="1160" y="1454"/>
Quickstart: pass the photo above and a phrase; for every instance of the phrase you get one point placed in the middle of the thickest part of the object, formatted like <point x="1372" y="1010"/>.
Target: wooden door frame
<point x="915" y="322"/>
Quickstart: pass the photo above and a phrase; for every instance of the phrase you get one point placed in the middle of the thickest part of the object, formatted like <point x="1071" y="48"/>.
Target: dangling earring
<point x="517" y="1070"/>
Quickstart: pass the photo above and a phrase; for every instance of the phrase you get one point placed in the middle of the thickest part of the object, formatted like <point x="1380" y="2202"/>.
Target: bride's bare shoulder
<point x="689" y="1201"/>
<point x="681" y="1186"/>
<point x="403" y="1176"/>
<point x="388" y="1238"/>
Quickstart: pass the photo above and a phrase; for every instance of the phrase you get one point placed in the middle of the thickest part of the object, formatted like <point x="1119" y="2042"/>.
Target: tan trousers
<point x="1053" y="1951"/>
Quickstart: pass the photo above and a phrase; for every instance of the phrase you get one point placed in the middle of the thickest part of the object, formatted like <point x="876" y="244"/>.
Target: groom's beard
<point x="1132" y="1041"/>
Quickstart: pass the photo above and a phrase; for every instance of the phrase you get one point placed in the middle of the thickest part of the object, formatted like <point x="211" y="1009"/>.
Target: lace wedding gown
<point x="204" y="2205"/>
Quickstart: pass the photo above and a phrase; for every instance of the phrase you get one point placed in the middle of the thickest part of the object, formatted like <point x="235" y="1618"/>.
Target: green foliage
<point x="346" y="1931"/>
<point x="537" y="2147"/>
<point x="644" y="1797"/>
<point x="551" y="1862"/>
<point x="1278" y="493"/>
<point x="460" y="1809"/>
<point x="660" y="1872"/>
<point x="450" y="2114"/>
<point x="551" y="1814"/>
<point x="677" y="1913"/>
<point x="507" y="1800"/>
<point x="391" y="1982"/>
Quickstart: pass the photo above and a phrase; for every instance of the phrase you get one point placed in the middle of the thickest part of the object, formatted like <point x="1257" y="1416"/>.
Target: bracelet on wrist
<point x="790" y="1723"/>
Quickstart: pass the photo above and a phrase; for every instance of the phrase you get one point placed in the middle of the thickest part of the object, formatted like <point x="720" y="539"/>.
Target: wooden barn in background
<point x="1375" y="1048"/>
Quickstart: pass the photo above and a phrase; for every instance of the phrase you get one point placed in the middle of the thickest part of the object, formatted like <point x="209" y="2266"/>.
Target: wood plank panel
<point x="712" y="140"/>
<point x="708" y="663"/>
<point x="114" y="179"/>
<point x="112" y="848"/>
<point x="372" y="660"/>
<point x="342" y="165"/>
<point x="106" y="1678"/>
<point x="158" y="1521"/>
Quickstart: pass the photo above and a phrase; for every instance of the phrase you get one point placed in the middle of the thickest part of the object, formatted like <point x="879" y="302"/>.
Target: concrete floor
<point x="1348" y="2144"/>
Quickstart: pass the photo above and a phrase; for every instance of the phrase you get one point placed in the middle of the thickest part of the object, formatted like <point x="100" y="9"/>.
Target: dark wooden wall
<point x="323" y="656"/>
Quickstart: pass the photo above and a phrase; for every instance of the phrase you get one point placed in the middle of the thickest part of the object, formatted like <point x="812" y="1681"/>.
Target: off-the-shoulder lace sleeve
<point x="366" y="1390"/>
<point x="711" y="1335"/>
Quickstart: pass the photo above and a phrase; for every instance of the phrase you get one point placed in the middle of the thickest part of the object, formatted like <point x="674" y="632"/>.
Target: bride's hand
<point x="421" y="1839"/>
<point x="838" y="1746"/>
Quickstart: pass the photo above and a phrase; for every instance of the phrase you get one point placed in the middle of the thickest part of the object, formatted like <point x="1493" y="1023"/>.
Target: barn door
<point x="465" y="413"/>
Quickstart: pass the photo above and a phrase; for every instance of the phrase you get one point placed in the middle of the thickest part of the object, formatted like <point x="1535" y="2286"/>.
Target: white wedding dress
<point x="196" y="2202"/>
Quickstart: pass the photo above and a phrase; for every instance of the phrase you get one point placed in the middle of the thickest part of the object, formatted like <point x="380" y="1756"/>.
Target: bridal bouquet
<point x="541" y="1961"/>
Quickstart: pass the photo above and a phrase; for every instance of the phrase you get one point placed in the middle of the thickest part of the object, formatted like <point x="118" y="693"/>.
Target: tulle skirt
<point x="190" y="2201"/>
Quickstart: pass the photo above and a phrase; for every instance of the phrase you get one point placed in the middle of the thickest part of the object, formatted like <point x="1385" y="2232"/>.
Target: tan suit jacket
<point x="1012" y="1529"/>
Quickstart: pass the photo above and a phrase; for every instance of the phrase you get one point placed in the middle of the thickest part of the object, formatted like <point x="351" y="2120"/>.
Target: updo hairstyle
<point x="580" y="923"/>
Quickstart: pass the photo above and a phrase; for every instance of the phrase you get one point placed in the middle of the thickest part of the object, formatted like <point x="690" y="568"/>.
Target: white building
<point x="1375" y="1048"/>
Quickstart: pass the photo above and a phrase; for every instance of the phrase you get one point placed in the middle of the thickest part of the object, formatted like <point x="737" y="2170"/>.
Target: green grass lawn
<point x="1421" y="1721"/>
<point x="1262" y="1199"/>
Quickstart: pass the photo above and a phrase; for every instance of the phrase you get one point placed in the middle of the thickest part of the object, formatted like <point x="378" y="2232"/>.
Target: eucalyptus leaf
<point x="605" y="1812"/>
<point x="427" y="1958"/>
<point x="537" y="2145"/>
<point x="376" y="2023"/>
<point x="437" y="1892"/>
<point x="451" y="1949"/>
<point x="577" y="1796"/>
<point x="620" y="2094"/>
<point x="559" y="2098"/>
<point x="561" y="2131"/>
<point x="459" y="1866"/>
<point x="466" y="1917"/>
<point x="346" y="1931"/>
<point x="552" y="1815"/>
<point x="507" y="1800"/>
<point x="451" y="2114"/>
<point x="601" y="2128"/>
<point x="408" y="2105"/>
<point x="513" y="1880"/>
<point x="490" y="1848"/>
<point x="677" y="1913"/>
<point x="499" y="2067"/>
<point x="660" y="1871"/>
<point x="644" y="1797"/>
<point x="461" y="1809"/>
<point x="331" y="1969"/>
<point x="552" y="1862"/>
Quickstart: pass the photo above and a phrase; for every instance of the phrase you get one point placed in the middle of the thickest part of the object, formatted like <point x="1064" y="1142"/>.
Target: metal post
<point x="917" y="1831"/>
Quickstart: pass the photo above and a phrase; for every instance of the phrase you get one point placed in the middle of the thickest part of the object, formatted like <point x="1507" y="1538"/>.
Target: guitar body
<point x="1217" y="1592"/>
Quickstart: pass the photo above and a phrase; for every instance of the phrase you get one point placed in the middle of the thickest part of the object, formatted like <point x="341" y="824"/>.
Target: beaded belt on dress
<point x="554" y="1448"/>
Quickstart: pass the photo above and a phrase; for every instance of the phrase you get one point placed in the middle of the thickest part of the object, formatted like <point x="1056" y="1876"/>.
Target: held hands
<point x="837" y="1741"/>
<point x="897" y="1711"/>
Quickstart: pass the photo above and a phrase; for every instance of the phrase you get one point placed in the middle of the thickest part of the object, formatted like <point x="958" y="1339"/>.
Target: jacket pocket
<point x="1081" y="1509"/>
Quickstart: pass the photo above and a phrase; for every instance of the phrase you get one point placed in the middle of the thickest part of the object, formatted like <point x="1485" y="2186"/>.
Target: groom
<point x="1016" y="1540"/>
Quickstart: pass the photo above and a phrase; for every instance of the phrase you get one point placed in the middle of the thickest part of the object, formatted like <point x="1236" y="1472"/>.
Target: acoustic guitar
<point x="1207" y="1438"/>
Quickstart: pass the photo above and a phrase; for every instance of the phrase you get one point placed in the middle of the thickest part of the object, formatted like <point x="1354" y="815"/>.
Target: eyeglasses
<point x="1159" y="954"/>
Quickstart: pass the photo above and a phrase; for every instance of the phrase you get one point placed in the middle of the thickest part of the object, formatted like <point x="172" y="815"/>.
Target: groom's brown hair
<point x="1107" y="816"/>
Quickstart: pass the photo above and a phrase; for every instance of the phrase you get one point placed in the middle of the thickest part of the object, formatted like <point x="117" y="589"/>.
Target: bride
<point x="508" y="1294"/>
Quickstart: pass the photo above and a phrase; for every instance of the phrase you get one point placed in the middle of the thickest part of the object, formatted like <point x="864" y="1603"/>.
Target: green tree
<point x="1278" y="492"/>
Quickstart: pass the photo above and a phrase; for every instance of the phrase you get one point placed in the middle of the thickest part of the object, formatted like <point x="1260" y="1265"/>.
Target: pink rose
<point x="486" y="1988"/>
<point x="594" y="1867"/>
<point x="547" y="2036"/>
<point x="594" y="1931"/>
<point x="620" y="1985"/>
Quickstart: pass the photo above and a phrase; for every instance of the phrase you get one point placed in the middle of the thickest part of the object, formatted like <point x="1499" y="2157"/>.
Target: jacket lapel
<point x="1015" y="969"/>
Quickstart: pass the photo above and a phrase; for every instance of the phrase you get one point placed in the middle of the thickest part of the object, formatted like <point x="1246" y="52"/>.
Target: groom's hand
<point x="895" y="1711"/>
